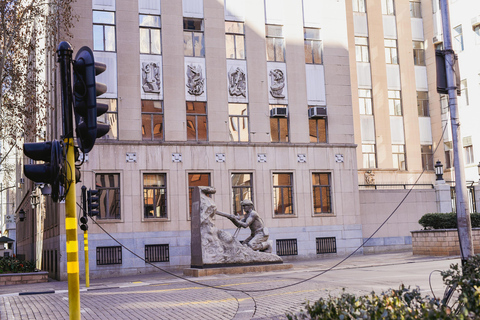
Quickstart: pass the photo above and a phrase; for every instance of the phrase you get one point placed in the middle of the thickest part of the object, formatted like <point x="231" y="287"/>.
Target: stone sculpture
<point x="195" y="80"/>
<point x="212" y="247"/>
<point x="277" y="80"/>
<point x="237" y="82"/>
<point x="150" y="77"/>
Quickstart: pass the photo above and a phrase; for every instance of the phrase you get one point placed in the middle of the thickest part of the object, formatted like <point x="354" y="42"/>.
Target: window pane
<point x="109" y="38"/>
<point x="104" y="17"/>
<point x="151" y="106"/>
<point x="144" y="41"/>
<point x="312" y="124"/>
<point x="279" y="50"/>
<point x="243" y="130"/>
<point x="154" y="180"/>
<point x="273" y="31"/>
<point x="158" y="127"/>
<point x="234" y="27"/>
<point x="187" y="44"/>
<point x="146" y="127"/>
<point x="230" y="46"/>
<point x="149" y="21"/>
<point x="191" y="128"/>
<point x="237" y="109"/>
<point x="322" y="130"/>
<point x="274" y="129"/>
<point x="198" y="44"/>
<point x="308" y="51"/>
<point x="192" y="24"/>
<point x="311" y="33"/>
<point x="98" y="38"/>
<point x="233" y="127"/>
<point x="317" y="52"/>
<point x="155" y="38"/>
<point x="202" y="128"/>
<point x="270" y="49"/>
<point x="240" y="43"/>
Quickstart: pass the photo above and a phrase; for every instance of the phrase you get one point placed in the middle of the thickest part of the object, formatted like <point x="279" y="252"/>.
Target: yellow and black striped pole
<point x="85" y="247"/>
<point x="64" y="52"/>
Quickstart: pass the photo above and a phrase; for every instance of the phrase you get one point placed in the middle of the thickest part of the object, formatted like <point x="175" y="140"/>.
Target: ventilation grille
<point x="109" y="255"/>
<point x="326" y="245"/>
<point x="287" y="247"/>
<point x="157" y="253"/>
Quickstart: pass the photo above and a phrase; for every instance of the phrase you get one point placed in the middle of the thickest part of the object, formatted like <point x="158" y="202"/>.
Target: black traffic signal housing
<point x="51" y="171"/>
<point x="84" y="218"/>
<point x="85" y="91"/>
<point x="93" y="203"/>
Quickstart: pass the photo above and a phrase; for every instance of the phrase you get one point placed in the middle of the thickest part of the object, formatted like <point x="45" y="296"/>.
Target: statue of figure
<point x="258" y="239"/>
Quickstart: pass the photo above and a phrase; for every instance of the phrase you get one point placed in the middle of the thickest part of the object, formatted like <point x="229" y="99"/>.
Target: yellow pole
<point x="71" y="235"/>
<point x="85" y="247"/>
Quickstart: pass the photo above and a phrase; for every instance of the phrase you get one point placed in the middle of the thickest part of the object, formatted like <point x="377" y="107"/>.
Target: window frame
<point x="362" y="99"/>
<point x="464" y="92"/>
<point x="150" y="28"/>
<point x="397" y="154"/>
<point x="280" y="124"/>
<point x="468" y="154"/>
<point x="324" y="128"/>
<point x="235" y="36"/>
<point x="145" y="189"/>
<point x="117" y="194"/>
<point x="290" y="191"/>
<point x="153" y="124"/>
<point x="193" y="33"/>
<point x="236" y="207"/>
<point x="415" y="9"/>
<point x="395" y="107"/>
<point x="276" y="45"/>
<point x="370" y="156"/>
<point x="391" y="52"/>
<point x="388" y="7"/>
<point x="362" y="53"/>
<point x="103" y="25"/>
<point x="419" y="54"/>
<point x="359" y="6"/>
<point x="239" y="121"/>
<point x="329" y="195"/>
<point x="427" y="157"/>
<point x="191" y="187"/>
<point x="423" y="105"/>
<point x="110" y="117"/>
<point x="196" y="117"/>
<point x="457" y="39"/>
<point x="314" y="43"/>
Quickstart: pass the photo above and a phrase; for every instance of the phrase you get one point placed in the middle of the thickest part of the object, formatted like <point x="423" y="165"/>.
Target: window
<point x="150" y="41"/>
<point x="418" y="53"/>
<point x="235" y="39"/>
<point x="238" y="122"/>
<point x="444" y="103"/>
<point x="358" y="5"/>
<point x="155" y="195"/>
<point x="415" y="9"/>
<point x="278" y="126"/>
<point x="448" y="158"/>
<point x="398" y="153"/>
<point x="387" y="7"/>
<point x="427" y="157"/>
<point x="365" y="101"/>
<point x="196" y="121"/>
<point x="368" y="154"/>
<point x="104" y="31"/>
<point x="391" y="56"/>
<point x="108" y="186"/>
<point x="435" y="5"/>
<point x="242" y="188"/>
<point x="110" y="118"/>
<point x="458" y="38"/>
<point x="193" y="43"/>
<point x="196" y="180"/>
<point x="477" y="34"/>
<point x="468" y="151"/>
<point x="283" y="194"/>
<point x="394" y="102"/>
<point x="322" y="193"/>
<point x="317" y="129"/>
<point x="361" y="49"/>
<point x="152" y="120"/>
<point x="422" y="104"/>
<point x="313" y="46"/>
<point x="275" y="43"/>
<point x="464" y="92"/>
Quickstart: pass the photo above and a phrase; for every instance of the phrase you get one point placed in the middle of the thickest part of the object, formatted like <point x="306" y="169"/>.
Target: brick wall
<point x="23" y="278"/>
<point x="440" y="242"/>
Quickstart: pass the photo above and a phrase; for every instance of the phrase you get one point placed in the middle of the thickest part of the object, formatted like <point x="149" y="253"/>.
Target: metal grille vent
<point x="109" y="255"/>
<point x="326" y="245"/>
<point x="157" y="253"/>
<point x="287" y="247"/>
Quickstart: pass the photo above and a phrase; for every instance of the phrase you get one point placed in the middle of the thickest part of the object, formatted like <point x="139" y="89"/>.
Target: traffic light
<point x="51" y="152"/>
<point x="93" y="202"/>
<point x="83" y="218"/>
<point x="85" y="91"/>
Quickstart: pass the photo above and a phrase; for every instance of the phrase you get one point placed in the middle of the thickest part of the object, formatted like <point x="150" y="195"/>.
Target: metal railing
<point x="394" y="186"/>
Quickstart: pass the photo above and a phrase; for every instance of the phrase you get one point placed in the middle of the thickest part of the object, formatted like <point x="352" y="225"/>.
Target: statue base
<point x="210" y="270"/>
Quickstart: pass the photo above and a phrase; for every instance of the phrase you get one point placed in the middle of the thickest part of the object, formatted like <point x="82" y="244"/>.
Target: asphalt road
<point x="268" y="295"/>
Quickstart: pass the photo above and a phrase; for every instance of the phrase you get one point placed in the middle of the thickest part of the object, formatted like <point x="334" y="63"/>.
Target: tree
<point x="30" y="32"/>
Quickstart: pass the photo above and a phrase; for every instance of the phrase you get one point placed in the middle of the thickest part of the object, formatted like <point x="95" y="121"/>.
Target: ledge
<point x="195" y="272"/>
<point x="23" y="278"/>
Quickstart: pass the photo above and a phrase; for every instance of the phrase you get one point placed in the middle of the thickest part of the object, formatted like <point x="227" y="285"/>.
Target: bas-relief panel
<point x="195" y="79"/>
<point x="237" y="81"/>
<point x="277" y="83"/>
<point x="151" y="77"/>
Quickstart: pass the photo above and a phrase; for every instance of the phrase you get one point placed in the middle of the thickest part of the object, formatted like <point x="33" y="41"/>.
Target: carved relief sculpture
<point x="150" y="77"/>
<point x="195" y="80"/>
<point x="214" y="247"/>
<point x="237" y="82"/>
<point x="277" y="80"/>
<point x="369" y="177"/>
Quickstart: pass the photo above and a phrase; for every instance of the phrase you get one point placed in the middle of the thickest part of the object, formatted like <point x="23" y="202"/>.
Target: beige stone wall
<point x="441" y="242"/>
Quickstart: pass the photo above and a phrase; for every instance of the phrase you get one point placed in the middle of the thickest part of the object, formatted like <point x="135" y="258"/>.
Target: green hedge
<point x="446" y="220"/>
<point x="405" y="303"/>
<point x="13" y="265"/>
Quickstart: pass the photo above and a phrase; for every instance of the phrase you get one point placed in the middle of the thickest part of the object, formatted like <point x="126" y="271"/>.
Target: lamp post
<point x="21" y="215"/>
<point x="439" y="170"/>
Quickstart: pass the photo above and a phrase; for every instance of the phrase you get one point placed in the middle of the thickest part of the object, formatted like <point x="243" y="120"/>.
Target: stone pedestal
<point x="443" y="196"/>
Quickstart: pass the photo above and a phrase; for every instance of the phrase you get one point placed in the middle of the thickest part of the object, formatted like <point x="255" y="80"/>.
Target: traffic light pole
<point x="85" y="237"/>
<point x="464" y="226"/>
<point x="64" y="52"/>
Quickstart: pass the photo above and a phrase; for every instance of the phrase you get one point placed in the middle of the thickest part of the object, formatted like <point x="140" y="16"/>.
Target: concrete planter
<point x="23" y="278"/>
<point x="441" y="242"/>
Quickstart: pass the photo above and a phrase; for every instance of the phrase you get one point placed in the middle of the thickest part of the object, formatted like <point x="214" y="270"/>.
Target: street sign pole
<point x="64" y="52"/>
<point x="464" y="226"/>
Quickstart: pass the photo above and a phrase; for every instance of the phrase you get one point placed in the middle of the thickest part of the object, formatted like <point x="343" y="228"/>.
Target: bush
<point x="446" y="220"/>
<point x="405" y="303"/>
<point x="13" y="265"/>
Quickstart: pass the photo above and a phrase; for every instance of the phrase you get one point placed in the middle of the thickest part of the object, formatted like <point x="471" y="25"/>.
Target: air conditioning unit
<point x="279" y="112"/>
<point x="437" y="39"/>
<point x="317" y="112"/>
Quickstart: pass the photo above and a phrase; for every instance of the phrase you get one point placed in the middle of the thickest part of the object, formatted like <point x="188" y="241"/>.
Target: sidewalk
<point x="356" y="261"/>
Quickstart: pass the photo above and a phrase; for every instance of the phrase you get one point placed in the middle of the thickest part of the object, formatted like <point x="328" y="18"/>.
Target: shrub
<point x="13" y="265"/>
<point x="446" y="220"/>
<point x="405" y="303"/>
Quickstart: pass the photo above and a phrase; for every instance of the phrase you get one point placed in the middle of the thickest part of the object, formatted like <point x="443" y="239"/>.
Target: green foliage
<point x="13" y="265"/>
<point x="446" y="220"/>
<point x="405" y="303"/>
